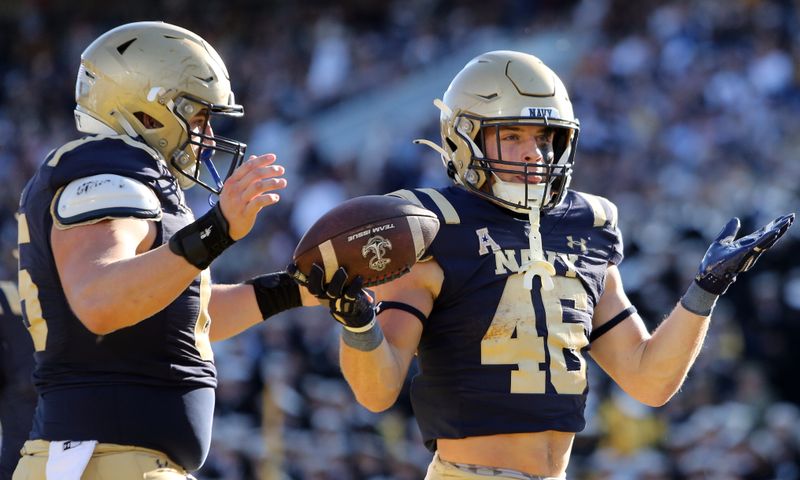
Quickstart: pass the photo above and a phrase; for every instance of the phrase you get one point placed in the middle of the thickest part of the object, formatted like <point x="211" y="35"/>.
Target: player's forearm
<point x="666" y="357"/>
<point x="233" y="309"/>
<point x="375" y="377"/>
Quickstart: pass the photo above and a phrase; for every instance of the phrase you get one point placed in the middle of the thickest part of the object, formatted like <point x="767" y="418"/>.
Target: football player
<point x="520" y="283"/>
<point x="17" y="396"/>
<point x="114" y="277"/>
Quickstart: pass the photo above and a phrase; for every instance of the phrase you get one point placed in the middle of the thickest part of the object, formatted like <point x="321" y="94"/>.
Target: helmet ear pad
<point x="460" y="138"/>
<point x="153" y="131"/>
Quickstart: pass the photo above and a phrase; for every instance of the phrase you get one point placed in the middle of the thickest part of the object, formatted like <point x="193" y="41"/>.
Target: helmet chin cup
<point x="519" y="197"/>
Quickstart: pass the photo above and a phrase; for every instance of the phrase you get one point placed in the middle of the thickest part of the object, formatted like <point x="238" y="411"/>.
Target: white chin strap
<point x="538" y="265"/>
<point x="515" y="193"/>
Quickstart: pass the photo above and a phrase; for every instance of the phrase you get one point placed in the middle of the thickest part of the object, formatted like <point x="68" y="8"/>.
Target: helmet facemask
<point x="197" y="154"/>
<point x="554" y="169"/>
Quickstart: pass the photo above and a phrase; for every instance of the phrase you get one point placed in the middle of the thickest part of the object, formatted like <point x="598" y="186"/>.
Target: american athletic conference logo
<point x="377" y="246"/>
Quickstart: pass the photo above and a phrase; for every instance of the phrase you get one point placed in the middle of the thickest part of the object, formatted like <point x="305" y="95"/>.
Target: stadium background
<point x="689" y="115"/>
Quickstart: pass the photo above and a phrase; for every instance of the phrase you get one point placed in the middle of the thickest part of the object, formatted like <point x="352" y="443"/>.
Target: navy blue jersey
<point x="170" y="350"/>
<point x="495" y="357"/>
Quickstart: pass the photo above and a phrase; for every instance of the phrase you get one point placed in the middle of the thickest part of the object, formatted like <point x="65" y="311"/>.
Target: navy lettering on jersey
<point x="495" y="357"/>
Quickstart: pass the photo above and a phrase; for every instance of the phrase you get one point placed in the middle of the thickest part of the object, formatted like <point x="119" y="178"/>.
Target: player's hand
<point x="248" y="190"/>
<point x="726" y="257"/>
<point x="349" y="303"/>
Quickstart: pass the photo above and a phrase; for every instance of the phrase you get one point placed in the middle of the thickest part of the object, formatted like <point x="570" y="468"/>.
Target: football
<point x="376" y="236"/>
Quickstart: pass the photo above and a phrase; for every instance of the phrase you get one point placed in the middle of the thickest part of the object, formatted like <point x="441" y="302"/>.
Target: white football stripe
<point x="416" y="234"/>
<point x="329" y="261"/>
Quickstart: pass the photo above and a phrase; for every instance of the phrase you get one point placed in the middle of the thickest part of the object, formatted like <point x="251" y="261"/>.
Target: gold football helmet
<point x="505" y="88"/>
<point x="148" y="79"/>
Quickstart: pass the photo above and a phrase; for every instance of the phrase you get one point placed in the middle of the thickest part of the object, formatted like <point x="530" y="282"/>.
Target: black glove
<point x="349" y="304"/>
<point x="726" y="257"/>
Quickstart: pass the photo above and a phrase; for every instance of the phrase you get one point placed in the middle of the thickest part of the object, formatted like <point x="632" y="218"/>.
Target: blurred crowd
<point x="688" y="117"/>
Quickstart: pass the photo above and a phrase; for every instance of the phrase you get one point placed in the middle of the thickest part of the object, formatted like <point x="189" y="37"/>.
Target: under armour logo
<point x="377" y="246"/>
<point x="205" y="233"/>
<point x="581" y="242"/>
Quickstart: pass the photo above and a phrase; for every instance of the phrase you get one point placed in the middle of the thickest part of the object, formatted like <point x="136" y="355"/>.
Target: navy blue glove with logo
<point x="726" y="257"/>
<point x="349" y="303"/>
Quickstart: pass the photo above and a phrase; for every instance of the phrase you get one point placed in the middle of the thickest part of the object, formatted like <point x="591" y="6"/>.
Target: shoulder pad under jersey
<point x="605" y="212"/>
<point x="99" y="197"/>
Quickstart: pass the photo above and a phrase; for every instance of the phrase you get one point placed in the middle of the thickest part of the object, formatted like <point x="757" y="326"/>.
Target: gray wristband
<point x="698" y="301"/>
<point x="364" y="341"/>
